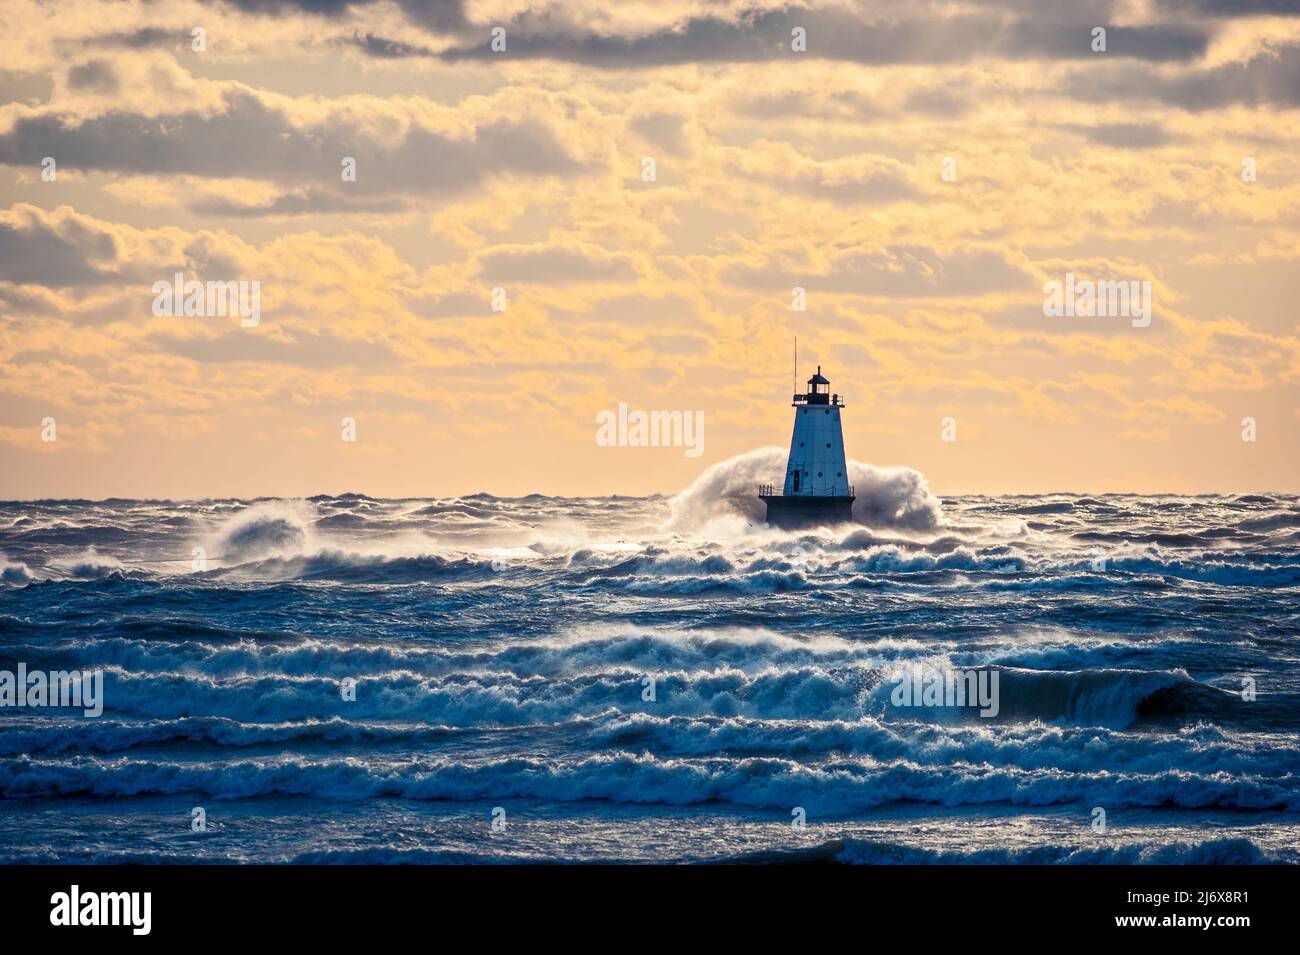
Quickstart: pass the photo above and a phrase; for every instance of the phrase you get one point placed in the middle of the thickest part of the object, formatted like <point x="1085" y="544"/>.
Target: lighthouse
<point x="816" y="489"/>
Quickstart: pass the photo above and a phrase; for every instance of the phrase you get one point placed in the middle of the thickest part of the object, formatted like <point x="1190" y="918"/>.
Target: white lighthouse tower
<point x="816" y="489"/>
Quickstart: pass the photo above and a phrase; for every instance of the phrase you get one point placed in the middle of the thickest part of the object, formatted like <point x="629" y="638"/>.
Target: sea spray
<point x="267" y="529"/>
<point x="895" y="497"/>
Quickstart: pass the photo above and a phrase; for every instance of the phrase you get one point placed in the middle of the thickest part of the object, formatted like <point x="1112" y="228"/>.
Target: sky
<point x="615" y="209"/>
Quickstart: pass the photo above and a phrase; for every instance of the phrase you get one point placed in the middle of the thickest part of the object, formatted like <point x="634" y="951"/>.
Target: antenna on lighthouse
<point x="794" y="382"/>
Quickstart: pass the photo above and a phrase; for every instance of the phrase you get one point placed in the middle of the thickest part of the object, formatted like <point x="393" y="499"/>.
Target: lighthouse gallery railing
<point x="769" y="490"/>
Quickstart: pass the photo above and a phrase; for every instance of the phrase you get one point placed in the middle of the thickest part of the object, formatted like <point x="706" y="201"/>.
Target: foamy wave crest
<point x="112" y="736"/>
<point x="830" y="789"/>
<point x="1106" y="697"/>
<point x="1031" y="747"/>
<point x="354" y="568"/>
<point x="886" y="497"/>
<point x="273" y="529"/>
<point x="14" y="573"/>
<point x="800" y="693"/>
<point x="1209" y="852"/>
<point x="91" y="566"/>
<point x="387" y="856"/>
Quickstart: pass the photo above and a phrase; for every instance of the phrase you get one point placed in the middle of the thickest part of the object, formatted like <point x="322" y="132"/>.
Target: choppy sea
<point x="663" y="679"/>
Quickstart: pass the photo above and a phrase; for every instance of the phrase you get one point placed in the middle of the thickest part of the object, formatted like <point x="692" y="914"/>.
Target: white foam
<point x="894" y="497"/>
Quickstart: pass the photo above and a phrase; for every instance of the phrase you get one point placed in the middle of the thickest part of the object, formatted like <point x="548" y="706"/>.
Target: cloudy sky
<point x="524" y="169"/>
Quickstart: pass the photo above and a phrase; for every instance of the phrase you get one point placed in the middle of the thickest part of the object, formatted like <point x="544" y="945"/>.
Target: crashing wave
<point x="885" y="497"/>
<point x="263" y="530"/>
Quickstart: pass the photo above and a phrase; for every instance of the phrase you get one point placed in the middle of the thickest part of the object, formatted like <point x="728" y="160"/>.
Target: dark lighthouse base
<point x="791" y="513"/>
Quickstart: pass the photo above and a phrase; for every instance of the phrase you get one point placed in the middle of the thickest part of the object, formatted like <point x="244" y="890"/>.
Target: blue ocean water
<point x="653" y="679"/>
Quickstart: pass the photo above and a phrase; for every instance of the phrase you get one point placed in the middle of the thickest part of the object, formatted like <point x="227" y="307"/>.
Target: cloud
<point x="307" y="202"/>
<point x="251" y="139"/>
<point x="804" y="104"/>
<point x="434" y="14"/>
<point x="951" y="99"/>
<point x="59" y="250"/>
<point x="696" y="346"/>
<point x="1271" y="77"/>
<point x="144" y="38"/>
<point x="1231" y="8"/>
<point x="851" y="179"/>
<point x="97" y="76"/>
<point x="757" y="35"/>
<point x="384" y="48"/>
<point x="902" y="271"/>
<point x="665" y="130"/>
<point x="660" y="312"/>
<point x="1160" y="43"/>
<point x="307" y="350"/>
<point x="22" y="87"/>
<point x="451" y="304"/>
<point x="1122" y="135"/>
<point x="324" y="8"/>
<point x="544" y="265"/>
